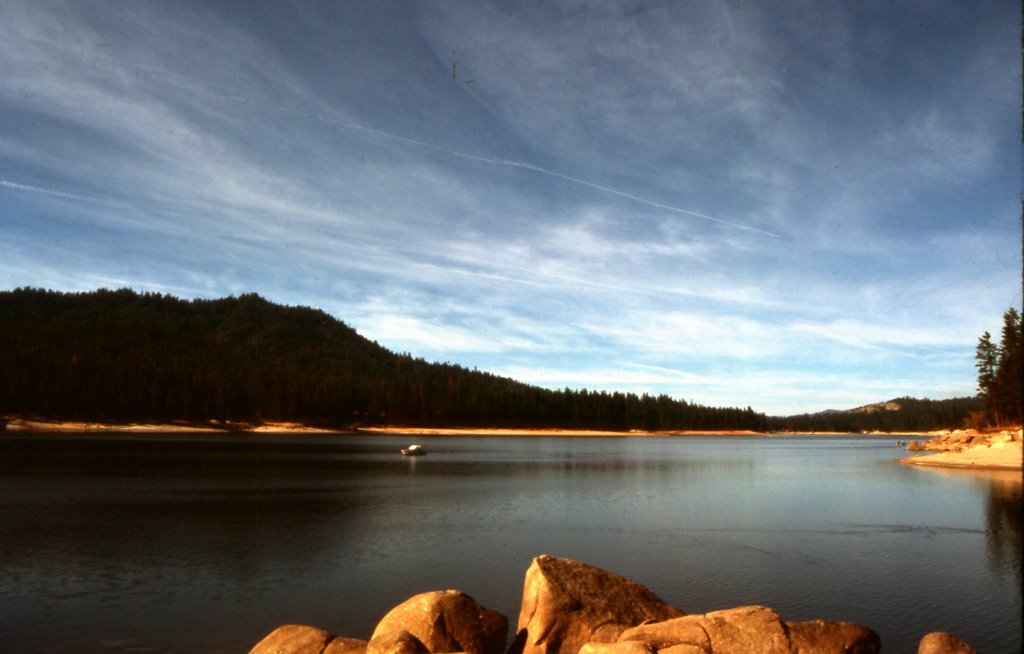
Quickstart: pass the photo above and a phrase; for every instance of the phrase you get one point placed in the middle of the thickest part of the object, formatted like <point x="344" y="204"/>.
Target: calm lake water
<point x="204" y="543"/>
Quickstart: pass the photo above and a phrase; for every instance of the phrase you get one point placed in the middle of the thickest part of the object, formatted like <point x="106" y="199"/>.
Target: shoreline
<point x="511" y="431"/>
<point x="19" y="424"/>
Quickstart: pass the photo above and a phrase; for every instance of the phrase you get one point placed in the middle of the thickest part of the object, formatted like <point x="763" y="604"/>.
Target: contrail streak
<point x="192" y="84"/>
<point x="36" y="189"/>
<point x="551" y="173"/>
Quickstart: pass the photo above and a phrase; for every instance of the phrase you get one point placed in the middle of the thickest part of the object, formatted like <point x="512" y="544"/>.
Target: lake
<point x="205" y="542"/>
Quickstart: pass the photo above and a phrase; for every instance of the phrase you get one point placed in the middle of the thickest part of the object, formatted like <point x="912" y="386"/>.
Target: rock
<point x="746" y="629"/>
<point x="346" y="646"/>
<point x="683" y="649"/>
<point x="939" y="642"/>
<point x="396" y="642"/>
<point x="625" y="647"/>
<point x="293" y="639"/>
<point x="671" y="633"/>
<point x="752" y="629"/>
<point x="447" y="621"/>
<point x="825" y="637"/>
<point x="567" y="604"/>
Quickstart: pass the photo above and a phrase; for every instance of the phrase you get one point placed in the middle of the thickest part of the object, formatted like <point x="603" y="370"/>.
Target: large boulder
<point x="827" y="637"/>
<point x="746" y="630"/>
<point x="754" y="629"/>
<point x="567" y="604"/>
<point x="293" y="639"/>
<point x="939" y="642"/>
<point x="447" y="621"/>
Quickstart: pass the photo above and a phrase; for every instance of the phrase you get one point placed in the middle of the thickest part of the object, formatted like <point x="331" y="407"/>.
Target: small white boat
<point x="413" y="450"/>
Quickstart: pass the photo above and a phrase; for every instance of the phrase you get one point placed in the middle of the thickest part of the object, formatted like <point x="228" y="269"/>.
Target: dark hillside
<point x="120" y="355"/>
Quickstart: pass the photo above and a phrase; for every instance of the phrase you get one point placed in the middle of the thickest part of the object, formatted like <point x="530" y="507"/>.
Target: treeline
<point x="912" y="415"/>
<point x="124" y="356"/>
<point x="999" y="372"/>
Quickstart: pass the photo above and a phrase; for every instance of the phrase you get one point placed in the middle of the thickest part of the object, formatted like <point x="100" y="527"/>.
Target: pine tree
<point x="999" y="371"/>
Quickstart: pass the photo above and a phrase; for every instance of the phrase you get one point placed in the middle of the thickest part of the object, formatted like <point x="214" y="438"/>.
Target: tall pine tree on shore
<point x="1000" y="370"/>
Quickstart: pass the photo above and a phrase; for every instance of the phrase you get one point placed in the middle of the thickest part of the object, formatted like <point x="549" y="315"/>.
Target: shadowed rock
<point x="447" y="621"/>
<point x="567" y="604"/>
<point x="396" y="642"/>
<point x="939" y="642"/>
<point x="825" y="637"/>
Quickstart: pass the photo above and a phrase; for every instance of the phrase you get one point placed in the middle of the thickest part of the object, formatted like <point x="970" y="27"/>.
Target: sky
<point x="792" y="206"/>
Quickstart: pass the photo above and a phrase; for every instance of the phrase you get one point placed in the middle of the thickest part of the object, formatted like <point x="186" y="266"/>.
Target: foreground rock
<point x="749" y="630"/>
<point x="302" y="639"/>
<point x="447" y="621"/>
<point x="567" y="603"/>
<point x="569" y="607"/>
<point x="939" y="642"/>
<point x="811" y="636"/>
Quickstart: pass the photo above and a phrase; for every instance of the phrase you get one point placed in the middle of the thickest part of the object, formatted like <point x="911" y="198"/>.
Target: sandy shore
<point x="18" y="424"/>
<point x="968" y="449"/>
<point x="38" y="425"/>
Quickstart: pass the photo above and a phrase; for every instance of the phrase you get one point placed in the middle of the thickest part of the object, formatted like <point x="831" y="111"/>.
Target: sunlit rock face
<point x="294" y="639"/>
<point x="447" y="621"/>
<point x="751" y="630"/>
<point x="939" y="642"/>
<point x="567" y="604"/>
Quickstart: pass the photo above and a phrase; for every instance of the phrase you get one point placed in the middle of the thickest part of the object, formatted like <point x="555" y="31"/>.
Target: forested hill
<point x="120" y="356"/>
<point x="899" y="414"/>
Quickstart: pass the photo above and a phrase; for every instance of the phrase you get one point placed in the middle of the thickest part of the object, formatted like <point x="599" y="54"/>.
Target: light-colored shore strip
<point x="19" y="424"/>
<point x="39" y="425"/>
<point x="23" y="425"/>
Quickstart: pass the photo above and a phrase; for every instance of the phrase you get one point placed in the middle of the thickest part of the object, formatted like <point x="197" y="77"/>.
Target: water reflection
<point x="1003" y="518"/>
<point x="1003" y="491"/>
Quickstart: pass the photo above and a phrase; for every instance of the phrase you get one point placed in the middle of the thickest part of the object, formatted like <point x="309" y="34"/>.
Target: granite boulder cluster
<point x="570" y="607"/>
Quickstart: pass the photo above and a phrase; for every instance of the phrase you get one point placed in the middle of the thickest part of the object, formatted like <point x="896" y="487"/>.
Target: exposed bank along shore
<point x="956" y="449"/>
<point x="570" y="607"/>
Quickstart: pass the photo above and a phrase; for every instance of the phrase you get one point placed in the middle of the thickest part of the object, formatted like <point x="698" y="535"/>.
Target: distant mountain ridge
<point x="897" y="414"/>
<point x="891" y="405"/>
<point x="121" y="356"/>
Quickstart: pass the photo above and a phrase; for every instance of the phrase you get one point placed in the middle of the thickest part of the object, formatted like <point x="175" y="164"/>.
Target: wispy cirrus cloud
<point x="733" y="193"/>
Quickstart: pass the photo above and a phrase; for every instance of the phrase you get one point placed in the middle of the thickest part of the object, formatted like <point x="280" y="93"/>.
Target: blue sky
<point x="790" y="205"/>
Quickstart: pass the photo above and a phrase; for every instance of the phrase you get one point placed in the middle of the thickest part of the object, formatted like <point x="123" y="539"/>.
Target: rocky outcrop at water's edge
<point x="969" y="448"/>
<point x="570" y="607"/>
